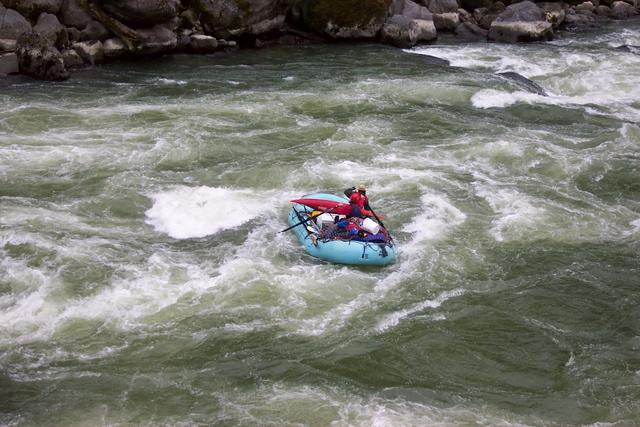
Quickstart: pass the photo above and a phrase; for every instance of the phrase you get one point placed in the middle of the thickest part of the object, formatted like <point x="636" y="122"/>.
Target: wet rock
<point x="94" y="31"/>
<point x="427" y="30"/>
<point x="141" y="13"/>
<point x="409" y="9"/>
<point x="400" y="31"/>
<point x="37" y="58"/>
<point x="521" y="22"/>
<point x="114" y="48"/>
<point x="12" y="24"/>
<point x="71" y="59"/>
<point x="446" y="21"/>
<point x="49" y="27"/>
<point x="471" y="31"/>
<point x="92" y="51"/>
<point x="579" y="20"/>
<point x="72" y="15"/>
<point x="603" y="11"/>
<point x="32" y="9"/>
<point x="554" y="12"/>
<point x="7" y="45"/>
<point x="8" y="63"/>
<point x="443" y="6"/>
<point x="525" y="83"/>
<point x="203" y="44"/>
<point x="157" y="39"/>
<point x="622" y="10"/>
<point x="340" y="19"/>
<point x="233" y="18"/>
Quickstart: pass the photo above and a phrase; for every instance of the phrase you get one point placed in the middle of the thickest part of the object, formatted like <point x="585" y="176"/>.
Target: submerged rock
<point x="524" y="82"/>
<point x="37" y="58"/>
<point x="521" y="22"/>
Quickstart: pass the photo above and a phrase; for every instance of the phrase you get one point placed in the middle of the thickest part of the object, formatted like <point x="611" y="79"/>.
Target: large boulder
<point x="94" y="31"/>
<point x="446" y="21"/>
<point x="52" y="30"/>
<point x="92" y="51"/>
<point x="470" y="31"/>
<point x="443" y="6"/>
<point x="427" y="30"/>
<point x="343" y="19"/>
<point x="554" y="12"/>
<point x="400" y="31"/>
<point x="8" y="63"/>
<point x="33" y="8"/>
<point x="521" y="22"/>
<point x="579" y="20"/>
<point x="72" y="15"/>
<point x="622" y="10"/>
<point x="141" y="13"/>
<point x="233" y="18"/>
<point x="12" y="24"/>
<point x="157" y="39"/>
<point x="203" y="44"/>
<point x="409" y="9"/>
<point x="37" y="58"/>
<point x="114" y="48"/>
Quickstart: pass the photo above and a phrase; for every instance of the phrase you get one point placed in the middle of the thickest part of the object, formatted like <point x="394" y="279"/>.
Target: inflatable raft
<point x="320" y="239"/>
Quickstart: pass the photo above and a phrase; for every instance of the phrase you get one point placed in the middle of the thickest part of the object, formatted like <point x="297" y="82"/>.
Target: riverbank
<point x="47" y="39"/>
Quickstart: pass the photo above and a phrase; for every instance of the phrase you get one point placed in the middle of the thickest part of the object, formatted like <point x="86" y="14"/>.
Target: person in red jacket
<point x="358" y="201"/>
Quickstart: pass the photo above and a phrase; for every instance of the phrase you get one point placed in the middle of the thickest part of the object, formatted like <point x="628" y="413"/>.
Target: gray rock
<point x="31" y="9"/>
<point x="586" y="5"/>
<point x="622" y="10"/>
<point x="141" y="13"/>
<point x="471" y="31"/>
<point x="446" y="21"/>
<point x="427" y="30"/>
<point x="49" y="26"/>
<point x="232" y="18"/>
<point x="466" y="16"/>
<point x="525" y="83"/>
<point x="409" y="9"/>
<point x="9" y="64"/>
<point x="157" y="39"/>
<point x="341" y="19"/>
<point x="579" y="20"/>
<point x="191" y="21"/>
<point x="114" y="48"/>
<point x="203" y="44"/>
<point x="92" y="52"/>
<point x="72" y="15"/>
<point x="12" y="24"/>
<point x="603" y="10"/>
<point x="7" y="45"/>
<point x="74" y="34"/>
<point x="443" y="6"/>
<point x="554" y="12"/>
<point x="400" y="31"/>
<point x="71" y="58"/>
<point x="484" y="17"/>
<point x="94" y="31"/>
<point x="521" y="22"/>
<point x="37" y="58"/>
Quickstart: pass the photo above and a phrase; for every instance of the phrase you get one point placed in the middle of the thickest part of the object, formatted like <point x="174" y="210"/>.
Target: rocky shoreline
<point x="46" y="39"/>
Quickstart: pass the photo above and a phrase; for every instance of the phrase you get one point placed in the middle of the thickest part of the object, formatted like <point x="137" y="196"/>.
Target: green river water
<point x="144" y="281"/>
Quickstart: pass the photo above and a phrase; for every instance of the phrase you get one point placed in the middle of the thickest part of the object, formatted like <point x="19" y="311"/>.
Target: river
<point x="144" y="281"/>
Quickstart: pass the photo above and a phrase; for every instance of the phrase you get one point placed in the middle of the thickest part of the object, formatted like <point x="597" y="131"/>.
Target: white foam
<point x="191" y="212"/>
<point x="437" y="216"/>
<point x="395" y="318"/>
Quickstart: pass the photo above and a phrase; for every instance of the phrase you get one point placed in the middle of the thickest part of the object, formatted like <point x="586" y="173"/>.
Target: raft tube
<point x="349" y="252"/>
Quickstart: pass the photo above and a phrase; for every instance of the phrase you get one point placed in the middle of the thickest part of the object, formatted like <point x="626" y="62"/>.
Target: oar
<point x="376" y="217"/>
<point x="310" y="218"/>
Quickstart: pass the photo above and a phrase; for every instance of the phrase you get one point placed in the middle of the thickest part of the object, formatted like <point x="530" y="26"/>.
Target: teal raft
<point x="340" y="251"/>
